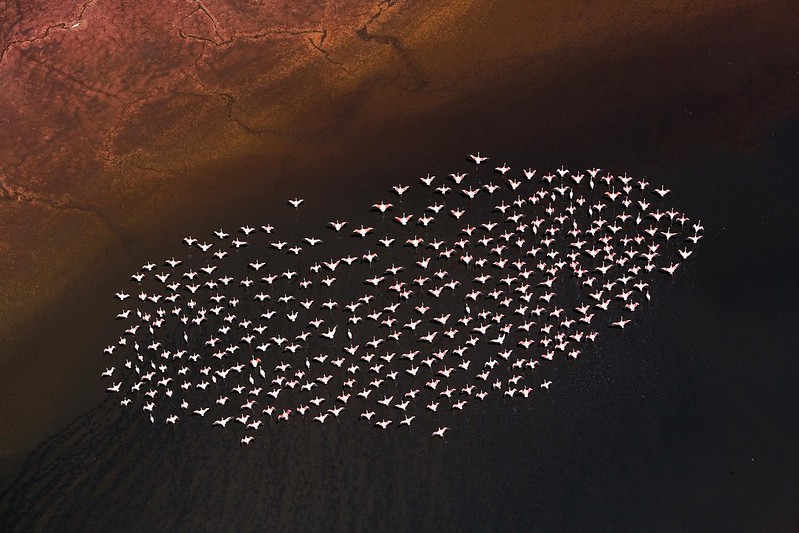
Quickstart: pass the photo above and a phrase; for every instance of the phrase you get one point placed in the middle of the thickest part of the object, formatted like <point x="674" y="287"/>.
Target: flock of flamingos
<point x="448" y="291"/>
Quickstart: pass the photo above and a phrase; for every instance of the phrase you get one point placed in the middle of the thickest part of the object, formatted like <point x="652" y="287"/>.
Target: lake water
<point x="687" y="422"/>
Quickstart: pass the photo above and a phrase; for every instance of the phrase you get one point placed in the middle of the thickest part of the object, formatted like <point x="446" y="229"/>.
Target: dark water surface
<point x="689" y="422"/>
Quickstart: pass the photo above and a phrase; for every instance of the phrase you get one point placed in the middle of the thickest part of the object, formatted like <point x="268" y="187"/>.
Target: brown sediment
<point x="139" y="123"/>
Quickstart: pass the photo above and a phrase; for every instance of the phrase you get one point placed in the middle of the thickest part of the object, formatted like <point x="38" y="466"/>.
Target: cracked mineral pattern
<point x="453" y="291"/>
